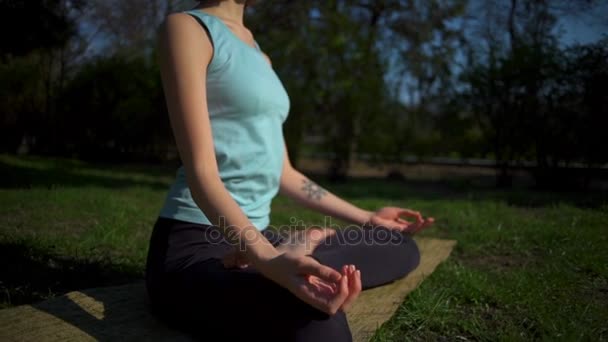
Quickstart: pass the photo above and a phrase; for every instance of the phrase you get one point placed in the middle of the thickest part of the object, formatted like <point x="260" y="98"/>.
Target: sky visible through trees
<point x="575" y="27"/>
<point x="513" y="81"/>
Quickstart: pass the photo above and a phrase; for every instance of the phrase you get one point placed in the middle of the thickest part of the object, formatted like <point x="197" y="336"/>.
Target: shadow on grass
<point x="30" y="274"/>
<point x="26" y="172"/>
<point x="472" y="188"/>
<point x="111" y="176"/>
<point x="69" y="299"/>
<point x="116" y="313"/>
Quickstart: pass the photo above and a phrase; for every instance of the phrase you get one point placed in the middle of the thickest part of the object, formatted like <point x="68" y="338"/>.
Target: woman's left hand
<point x="394" y="218"/>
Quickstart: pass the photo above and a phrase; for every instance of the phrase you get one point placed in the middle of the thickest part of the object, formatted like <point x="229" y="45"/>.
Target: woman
<point x="214" y="263"/>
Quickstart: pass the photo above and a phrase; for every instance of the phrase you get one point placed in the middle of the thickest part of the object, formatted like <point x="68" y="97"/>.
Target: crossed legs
<point x="192" y="290"/>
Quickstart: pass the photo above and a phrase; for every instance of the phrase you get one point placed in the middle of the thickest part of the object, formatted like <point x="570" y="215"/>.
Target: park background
<point x="488" y="115"/>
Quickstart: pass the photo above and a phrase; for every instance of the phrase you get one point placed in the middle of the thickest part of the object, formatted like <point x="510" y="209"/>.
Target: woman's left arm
<point x="303" y="190"/>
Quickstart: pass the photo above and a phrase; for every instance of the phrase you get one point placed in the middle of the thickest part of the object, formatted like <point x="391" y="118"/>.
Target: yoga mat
<point x="376" y="306"/>
<point x="121" y="312"/>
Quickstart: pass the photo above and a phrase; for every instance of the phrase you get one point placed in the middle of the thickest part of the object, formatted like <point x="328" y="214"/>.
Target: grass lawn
<point x="528" y="265"/>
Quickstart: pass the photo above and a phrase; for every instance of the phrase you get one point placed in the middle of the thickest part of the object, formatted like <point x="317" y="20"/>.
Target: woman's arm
<point x="183" y="59"/>
<point x="300" y="188"/>
<point x="185" y="51"/>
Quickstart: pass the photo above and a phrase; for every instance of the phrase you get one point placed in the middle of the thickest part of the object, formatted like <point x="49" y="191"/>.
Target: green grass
<point x="528" y="265"/>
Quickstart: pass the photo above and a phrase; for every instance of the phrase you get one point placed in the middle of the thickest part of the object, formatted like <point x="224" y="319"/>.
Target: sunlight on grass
<point x="527" y="265"/>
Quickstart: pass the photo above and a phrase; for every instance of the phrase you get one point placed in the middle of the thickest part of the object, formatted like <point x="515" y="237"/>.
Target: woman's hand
<point x="393" y="217"/>
<point x="292" y="267"/>
<point x="318" y="285"/>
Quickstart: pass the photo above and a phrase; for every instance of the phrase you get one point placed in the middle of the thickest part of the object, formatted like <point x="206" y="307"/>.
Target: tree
<point x="34" y="63"/>
<point x="424" y="38"/>
<point x="336" y="58"/>
<point x="42" y="25"/>
<point x="523" y="91"/>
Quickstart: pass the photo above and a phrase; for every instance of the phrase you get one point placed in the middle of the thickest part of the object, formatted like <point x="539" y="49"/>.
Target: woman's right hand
<point x="318" y="285"/>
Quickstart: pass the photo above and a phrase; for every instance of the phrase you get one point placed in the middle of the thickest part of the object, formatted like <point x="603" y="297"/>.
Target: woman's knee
<point x="394" y="256"/>
<point x="410" y="254"/>
<point x="403" y="250"/>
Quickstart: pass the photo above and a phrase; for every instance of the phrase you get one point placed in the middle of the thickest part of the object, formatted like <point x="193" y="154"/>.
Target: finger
<point x="312" y="267"/>
<point x="352" y="293"/>
<point x="327" y="288"/>
<point x="338" y="301"/>
<point x="327" y="303"/>
<point x="241" y="261"/>
<point x="423" y="225"/>
<point x="413" y="228"/>
<point x="411" y="213"/>
<point x="349" y="272"/>
<point x="400" y="220"/>
<point x="427" y="223"/>
<point x="309" y="294"/>
<point x="399" y="225"/>
<point x="354" y="289"/>
<point x="345" y="269"/>
<point x="403" y="224"/>
<point x="358" y="282"/>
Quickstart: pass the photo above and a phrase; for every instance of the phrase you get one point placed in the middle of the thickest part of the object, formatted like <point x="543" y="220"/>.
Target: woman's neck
<point x="229" y="10"/>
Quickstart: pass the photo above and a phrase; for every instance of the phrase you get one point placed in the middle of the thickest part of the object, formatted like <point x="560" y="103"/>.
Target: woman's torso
<point x="247" y="106"/>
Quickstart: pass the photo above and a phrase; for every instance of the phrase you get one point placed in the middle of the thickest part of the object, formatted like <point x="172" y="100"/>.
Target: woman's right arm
<point x="184" y="52"/>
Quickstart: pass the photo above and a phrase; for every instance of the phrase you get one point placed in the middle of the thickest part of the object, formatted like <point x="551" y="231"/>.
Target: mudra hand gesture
<point x="321" y="286"/>
<point x="318" y="285"/>
<point x="395" y="218"/>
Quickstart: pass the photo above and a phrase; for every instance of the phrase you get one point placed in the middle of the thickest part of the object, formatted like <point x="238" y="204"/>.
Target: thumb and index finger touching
<point x="340" y="283"/>
<point x="420" y="223"/>
<point x="411" y="213"/>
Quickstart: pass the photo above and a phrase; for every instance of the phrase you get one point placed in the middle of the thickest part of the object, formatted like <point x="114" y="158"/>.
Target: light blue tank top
<point x="247" y="106"/>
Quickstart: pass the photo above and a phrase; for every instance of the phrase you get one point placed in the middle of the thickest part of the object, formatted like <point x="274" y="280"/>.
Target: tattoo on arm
<point x="313" y="190"/>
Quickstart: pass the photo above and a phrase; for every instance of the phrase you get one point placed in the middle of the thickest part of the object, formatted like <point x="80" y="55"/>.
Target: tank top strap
<point x="216" y="33"/>
<point x="257" y="46"/>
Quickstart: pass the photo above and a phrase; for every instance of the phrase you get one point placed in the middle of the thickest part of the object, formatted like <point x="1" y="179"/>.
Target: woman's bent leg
<point x="381" y="254"/>
<point x="241" y="304"/>
<point x="192" y="291"/>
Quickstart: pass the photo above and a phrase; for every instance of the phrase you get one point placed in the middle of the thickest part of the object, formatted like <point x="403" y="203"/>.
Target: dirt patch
<point x="593" y="286"/>
<point x="602" y="294"/>
<point x="489" y="312"/>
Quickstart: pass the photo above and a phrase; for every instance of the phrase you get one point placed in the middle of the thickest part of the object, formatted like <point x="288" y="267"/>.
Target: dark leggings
<point x="191" y="290"/>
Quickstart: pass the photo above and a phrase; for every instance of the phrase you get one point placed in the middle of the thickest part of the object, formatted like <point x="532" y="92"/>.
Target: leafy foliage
<point x="384" y="79"/>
